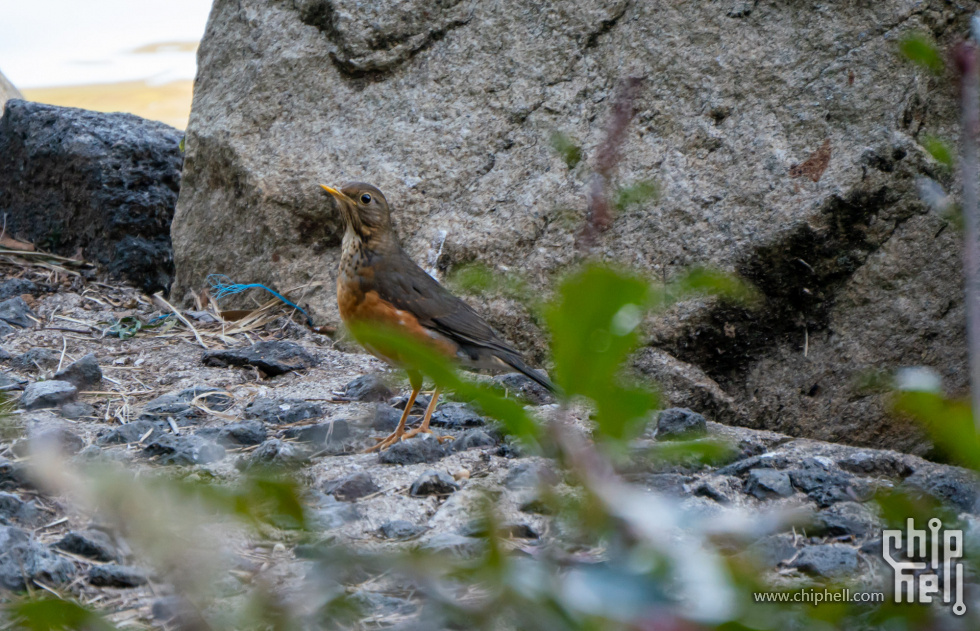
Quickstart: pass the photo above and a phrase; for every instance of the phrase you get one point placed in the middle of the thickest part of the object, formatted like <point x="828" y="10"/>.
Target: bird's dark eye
<point x="365" y="199"/>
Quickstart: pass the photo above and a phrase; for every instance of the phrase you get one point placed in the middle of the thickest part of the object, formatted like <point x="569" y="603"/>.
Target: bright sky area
<point x="134" y="56"/>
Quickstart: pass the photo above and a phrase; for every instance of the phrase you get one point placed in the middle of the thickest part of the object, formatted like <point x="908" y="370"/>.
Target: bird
<point x="377" y="281"/>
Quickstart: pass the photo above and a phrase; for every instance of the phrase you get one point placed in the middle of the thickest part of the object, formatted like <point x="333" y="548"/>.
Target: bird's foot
<point x="387" y="441"/>
<point x="425" y="430"/>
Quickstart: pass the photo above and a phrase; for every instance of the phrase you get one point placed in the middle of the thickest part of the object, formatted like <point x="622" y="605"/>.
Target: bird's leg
<point x="393" y="438"/>
<point x="424" y="427"/>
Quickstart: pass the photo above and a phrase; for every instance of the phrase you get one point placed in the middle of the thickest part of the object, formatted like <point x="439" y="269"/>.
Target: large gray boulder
<point x="104" y="184"/>
<point x="784" y="136"/>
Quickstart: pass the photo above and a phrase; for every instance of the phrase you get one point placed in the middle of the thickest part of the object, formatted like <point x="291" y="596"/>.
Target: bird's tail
<point x="518" y="364"/>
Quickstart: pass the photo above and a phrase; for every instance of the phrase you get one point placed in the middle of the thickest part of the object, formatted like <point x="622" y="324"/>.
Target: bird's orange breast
<point x="357" y="306"/>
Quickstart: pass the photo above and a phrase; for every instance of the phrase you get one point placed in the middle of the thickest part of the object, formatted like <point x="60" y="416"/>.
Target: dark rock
<point x="183" y="450"/>
<point x="14" y="310"/>
<point x="105" y="183"/>
<point x="421" y="402"/>
<point x="511" y="448"/>
<point x="37" y="359"/>
<point x="283" y="411"/>
<point x="826" y="487"/>
<point x="13" y="287"/>
<point x="5" y="330"/>
<point x="831" y="560"/>
<point x="240" y="434"/>
<point x="723" y="489"/>
<point x="400" y="529"/>
<point x="8" y="383"/>
<point x="873" y="462"/>
<point x="4" y="353"/>
<point x="413" y="451"/>
<point x="385" y="418"/>
<point x="456" y="545"/>
<point x="524" y="387"/>
<point x="537" y="506"/>
<point x="472" y="439"/>
<point x="12" y="507"/>
<point x="113" y="575"/>
<point x="772" y="550"/>
<point x="514" y="530"/>
<point x="529" y="475"/>
<point x="274" y="453"/>
<point x="47" y="394"/>
<point x="680" y="424"/>
<point x="765" y="461"/>
<point x="57" y="439"/>
<point x="24" y="560"/>
<point x="368" y="388"/>
<point x="433" y="482"/>
<point x="93" y="544"/>
<point x="453" y="415"/>
<point x="875" y="547"/>
<point x="77" y="409"/>
<point x="13" y="475"/>
<point x="84" y="374"/>
<point x="948" y="485"/>
<point x="272" y="358"/>
<point x="352" y="487"/>
<point x="847" y="518"/>
<point x="768" y="483"/>
<point x="333" y="431"/>
<point x="177" y="405"/>
<point x="129" y="433"/>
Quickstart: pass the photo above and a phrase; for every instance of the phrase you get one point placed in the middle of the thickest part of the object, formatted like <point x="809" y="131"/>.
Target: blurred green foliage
<point x="567" y="148"/>
<point x="921" y="50"/>
<point x="480" y="280"/>
<point x="949" y="423"/>
<point x="594" y="323"/>
<point x="941" y="150"/>
<point x="638" y="193"/>
<point x="51" y="614"/>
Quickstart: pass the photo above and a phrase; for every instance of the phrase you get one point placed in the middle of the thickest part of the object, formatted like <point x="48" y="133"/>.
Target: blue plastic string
<point x="223" y="286"/>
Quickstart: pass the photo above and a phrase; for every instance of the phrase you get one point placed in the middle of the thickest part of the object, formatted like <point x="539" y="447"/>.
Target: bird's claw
<point x="387" y="441"/>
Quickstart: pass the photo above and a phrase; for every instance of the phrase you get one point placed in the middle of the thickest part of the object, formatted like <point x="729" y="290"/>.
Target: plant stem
<point x="966" y="63"/>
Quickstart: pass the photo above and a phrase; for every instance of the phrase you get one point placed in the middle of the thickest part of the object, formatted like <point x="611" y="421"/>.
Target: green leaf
<point x="594" y="325"/>
<point x="473" y="278"/>
<point x="921" y="50"/>
<point x="481" y="280"/>
<point x="181" y="145"/>
<point x="47" y="614"/>
<point x="948" y="422"/>
<point x="706" y="280"/>
<point x="940" y="150"/>
<point x="566" y="147"/>
<point x="637" y="194"/>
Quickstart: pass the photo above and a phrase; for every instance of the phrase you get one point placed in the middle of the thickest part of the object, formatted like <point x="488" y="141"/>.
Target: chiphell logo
<point x="919" y="580"/>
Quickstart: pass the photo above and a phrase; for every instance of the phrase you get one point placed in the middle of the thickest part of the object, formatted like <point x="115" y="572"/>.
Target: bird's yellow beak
<point x="332" y="191"/>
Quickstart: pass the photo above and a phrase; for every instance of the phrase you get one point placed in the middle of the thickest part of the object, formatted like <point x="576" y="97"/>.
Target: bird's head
<point x="364" y="209"/>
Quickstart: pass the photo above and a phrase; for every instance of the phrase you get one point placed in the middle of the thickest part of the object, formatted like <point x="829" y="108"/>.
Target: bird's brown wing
<point x="408" y="287"/>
